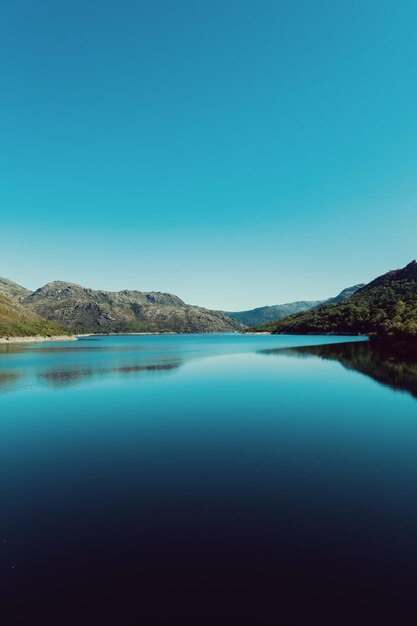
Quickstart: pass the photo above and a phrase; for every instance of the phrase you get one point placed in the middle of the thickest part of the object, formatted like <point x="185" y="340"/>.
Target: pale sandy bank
<point x="37" y="339"/>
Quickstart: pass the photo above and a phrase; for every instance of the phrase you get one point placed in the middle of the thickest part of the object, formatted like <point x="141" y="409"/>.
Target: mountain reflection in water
<point x="394" y="368"/>
<point x="61" y="377"/>
<point x="7" y="379"/>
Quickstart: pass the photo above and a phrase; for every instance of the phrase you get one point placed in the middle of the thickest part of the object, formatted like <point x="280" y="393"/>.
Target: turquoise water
<point x="207" y="479"/>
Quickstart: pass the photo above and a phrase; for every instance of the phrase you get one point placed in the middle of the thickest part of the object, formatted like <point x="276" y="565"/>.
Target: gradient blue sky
<point x="235" y="153"/>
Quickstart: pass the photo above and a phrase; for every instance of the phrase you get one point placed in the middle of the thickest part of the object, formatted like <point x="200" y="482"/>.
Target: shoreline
<point x="168" y="332"/>
<point x="36" y="339"/>
<point x="42" y="339"/>
<point x="154" y="333"/>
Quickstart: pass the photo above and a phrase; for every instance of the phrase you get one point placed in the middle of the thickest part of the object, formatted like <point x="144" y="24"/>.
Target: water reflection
<point x="60" y="377"/>
<point x="57" y="365"/>
<point x="63" y="348"/>
<point x="394" y="368"/>
<point x="8" y="379"/>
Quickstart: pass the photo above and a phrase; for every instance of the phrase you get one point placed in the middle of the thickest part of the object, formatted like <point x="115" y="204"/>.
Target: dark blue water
<point x="207" y="480"/>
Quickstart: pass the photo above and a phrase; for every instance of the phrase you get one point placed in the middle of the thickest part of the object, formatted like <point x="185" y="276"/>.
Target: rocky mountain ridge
<point x="84" y="310"/>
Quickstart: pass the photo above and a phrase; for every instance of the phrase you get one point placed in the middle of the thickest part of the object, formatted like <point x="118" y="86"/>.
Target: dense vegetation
<point x="16" y="321"/>
<point x="386" y="307"/>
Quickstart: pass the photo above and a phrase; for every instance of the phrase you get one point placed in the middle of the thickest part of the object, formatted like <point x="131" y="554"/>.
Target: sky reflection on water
<point x="217" y="480"/>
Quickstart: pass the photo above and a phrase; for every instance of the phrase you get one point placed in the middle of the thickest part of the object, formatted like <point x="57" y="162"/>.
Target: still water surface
<point x="219" y="479"/>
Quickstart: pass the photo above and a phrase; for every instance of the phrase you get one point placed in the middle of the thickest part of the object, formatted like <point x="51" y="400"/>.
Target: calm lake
<point x="219" y="479"/>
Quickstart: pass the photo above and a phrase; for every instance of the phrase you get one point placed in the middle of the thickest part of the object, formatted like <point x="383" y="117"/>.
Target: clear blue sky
<point x="236" y="153"/>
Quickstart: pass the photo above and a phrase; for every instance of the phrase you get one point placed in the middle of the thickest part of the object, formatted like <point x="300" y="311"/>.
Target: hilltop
<point x="12" y="290"/>
<point x="386" y="307"/>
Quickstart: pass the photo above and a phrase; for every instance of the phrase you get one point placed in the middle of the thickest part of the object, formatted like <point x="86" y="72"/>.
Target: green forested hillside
<point x="386" y="307"/>
<point x="16" y="321"/>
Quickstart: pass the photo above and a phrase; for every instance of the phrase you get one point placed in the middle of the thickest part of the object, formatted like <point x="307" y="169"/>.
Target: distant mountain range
<point x="384" y="308"/>
<point x="81" y="310"/>
<point x="265" y="314"/>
